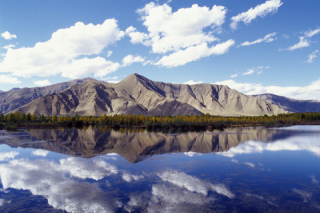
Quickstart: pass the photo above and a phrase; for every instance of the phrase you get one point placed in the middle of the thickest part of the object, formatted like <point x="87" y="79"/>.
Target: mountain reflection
<point x="136" y="146"/>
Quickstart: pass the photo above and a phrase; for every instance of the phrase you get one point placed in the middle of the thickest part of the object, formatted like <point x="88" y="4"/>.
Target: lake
<point x="99" y="170"/>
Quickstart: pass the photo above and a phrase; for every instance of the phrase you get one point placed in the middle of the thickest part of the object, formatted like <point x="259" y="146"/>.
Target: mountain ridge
<point x="137" y="94"/>
<point x="290" y="104"/>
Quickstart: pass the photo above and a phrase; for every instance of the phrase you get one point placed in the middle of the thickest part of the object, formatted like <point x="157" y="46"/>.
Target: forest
<point x="204" y="121"/>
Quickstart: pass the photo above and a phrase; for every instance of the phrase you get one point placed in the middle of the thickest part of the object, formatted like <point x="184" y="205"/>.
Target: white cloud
<point x="9" y="46"/>
<point x="138" y="37"/>
<point x="267" y="38"/>
<point x="186" y="33"/>
<point x="66" y="53"/>
<point x="5" y="156"/>
<point x="191" y="82"/>
<point x="8" y="79"/>
<point x="194" y="53"/>
<point x="312" y="56"/>
<point x="97" y="66"/>
<point x="111" y="80"/>
<point x="304" y="40"/>
<point x="311" y="33"/>
<point x="233" y="76"/>
<point x="171" y="31"/>
<point x="249" y="72"/>
<point x="258" y="70"/>
<point x="130" y="59"/>
<point x="311" y="91"/>
<point x="40" y="152"/>
<point x="109" y="53"/>
<point x="42" y="83"/>
<point x="302" y="43"/>
<point x="8" y="36"/>
<point x="261" y="10"/>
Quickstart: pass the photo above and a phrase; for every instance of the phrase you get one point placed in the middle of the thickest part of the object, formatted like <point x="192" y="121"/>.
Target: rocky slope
<point x="139" y="95"/>
<point x="16" y="97"/>
<point x="291" y="105"/>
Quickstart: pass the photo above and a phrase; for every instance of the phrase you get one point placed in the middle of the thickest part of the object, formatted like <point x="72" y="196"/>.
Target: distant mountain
<point x="1" y="91"/>
<point x="291" y="105"/>
<point x="139" y="95"/>
<point x="15" y="98"/>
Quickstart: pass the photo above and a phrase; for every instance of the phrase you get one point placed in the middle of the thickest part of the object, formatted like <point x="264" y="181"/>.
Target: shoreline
<point x="156" y="127"/>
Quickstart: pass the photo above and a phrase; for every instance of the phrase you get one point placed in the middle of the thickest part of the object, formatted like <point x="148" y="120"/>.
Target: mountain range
<point x="137" y="94"/>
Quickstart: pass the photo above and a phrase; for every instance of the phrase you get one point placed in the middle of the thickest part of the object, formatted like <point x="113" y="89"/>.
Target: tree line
<point x="121" y="120"/>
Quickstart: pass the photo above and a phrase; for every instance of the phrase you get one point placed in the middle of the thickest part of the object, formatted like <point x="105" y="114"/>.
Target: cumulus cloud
<point x="138" y="37"/>
<point x="130" y="59"/>
<point x="8" y="79"/>
<point x="233" y="76"/>
<point x="261" y="10"/>
<point x="66" y="53"/>
<point x="312" y="56"/>
<point x="42" y="83"/>
<point x="171" y="31"/>
<point x="183" y="33"/>
<point x="266" y="39"/>
<point x="191" y="82"/>
<point x="194" y="53"/>
<point x="311" y="91"/>
<point x="8" y="36"/>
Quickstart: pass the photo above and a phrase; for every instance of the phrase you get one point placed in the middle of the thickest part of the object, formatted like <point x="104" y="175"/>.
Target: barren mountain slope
<point x="218" y="99"/>
<point x="139" y="95"/>
<point x="291" y="105"/>
<point x="16" y="98"/>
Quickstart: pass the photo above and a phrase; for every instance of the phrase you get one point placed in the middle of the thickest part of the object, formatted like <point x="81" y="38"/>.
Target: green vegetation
<point x="204" y="121"/>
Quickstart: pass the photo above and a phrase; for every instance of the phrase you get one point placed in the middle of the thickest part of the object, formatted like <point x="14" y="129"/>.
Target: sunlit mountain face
<point x="97" y="170"/>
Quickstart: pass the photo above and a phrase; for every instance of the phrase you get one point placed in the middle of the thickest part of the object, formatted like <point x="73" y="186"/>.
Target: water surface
<point x="97" y="170"/>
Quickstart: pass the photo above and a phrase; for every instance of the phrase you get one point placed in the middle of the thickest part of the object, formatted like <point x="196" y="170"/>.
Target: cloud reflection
<point x="309" y="143"/>
<point x="194" y="184"/>
<point x="40" y="152"/>
<point x="6" y="156"/>
<point x="54" y="181"/>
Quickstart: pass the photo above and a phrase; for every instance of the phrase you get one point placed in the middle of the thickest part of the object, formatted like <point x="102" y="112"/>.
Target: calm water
<point x="95" y="170"/>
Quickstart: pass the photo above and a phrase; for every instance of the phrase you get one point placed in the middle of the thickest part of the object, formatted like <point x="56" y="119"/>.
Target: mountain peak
<point x="135" y="76"/>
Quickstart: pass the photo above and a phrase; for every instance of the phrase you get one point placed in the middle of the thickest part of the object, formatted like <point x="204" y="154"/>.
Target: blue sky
<point x="269" y="46"/>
